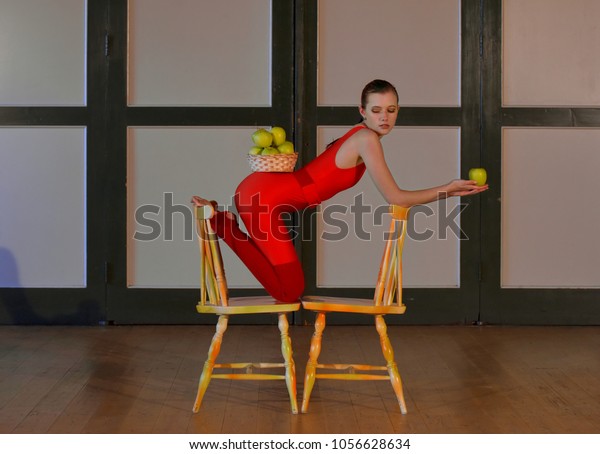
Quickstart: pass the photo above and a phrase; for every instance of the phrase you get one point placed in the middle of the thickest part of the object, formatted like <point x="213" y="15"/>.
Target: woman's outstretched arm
<point x="370" y="150"/>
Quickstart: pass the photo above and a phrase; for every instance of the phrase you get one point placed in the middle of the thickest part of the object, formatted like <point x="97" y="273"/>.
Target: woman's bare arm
<point x="371" y="152"/>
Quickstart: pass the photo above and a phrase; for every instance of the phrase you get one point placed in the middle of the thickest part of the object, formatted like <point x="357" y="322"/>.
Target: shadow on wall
<point x="16" y="307"/>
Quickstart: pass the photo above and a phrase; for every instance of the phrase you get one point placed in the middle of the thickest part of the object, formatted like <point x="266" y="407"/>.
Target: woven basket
<point x="273" y="163"/>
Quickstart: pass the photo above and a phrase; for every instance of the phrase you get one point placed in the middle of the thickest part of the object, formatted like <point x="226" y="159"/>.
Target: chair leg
<point x="311" y="365"/>
<point x="388" y="353"/>
<point x="213" y="352"/>
<point x="290" y="366"/>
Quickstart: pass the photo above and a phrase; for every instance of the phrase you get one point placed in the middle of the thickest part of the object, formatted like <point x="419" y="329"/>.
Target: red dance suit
<point x="261" y="199"/>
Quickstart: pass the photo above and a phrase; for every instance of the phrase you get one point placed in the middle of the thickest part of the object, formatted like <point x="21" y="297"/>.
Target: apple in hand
<point x="262" y="138"/>
<point x="278" y="134"/>
<point x="286" y="147"/>
<point x="479" y="175"/>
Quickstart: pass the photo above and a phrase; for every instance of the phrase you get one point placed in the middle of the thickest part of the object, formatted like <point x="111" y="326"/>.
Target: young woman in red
<point x="262" y="198"/>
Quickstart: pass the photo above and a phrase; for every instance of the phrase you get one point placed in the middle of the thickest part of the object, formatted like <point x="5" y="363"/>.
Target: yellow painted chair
<point x="387" y="300"/>
<point x="214" y="300"/>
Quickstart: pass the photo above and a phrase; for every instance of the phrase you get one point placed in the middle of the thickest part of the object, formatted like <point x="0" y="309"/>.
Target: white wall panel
<point x="413" y="44"/>
<point x="199" y="52"/>
<point x="43" y="52"/>
<point x="43" y="213"/>
<point x="418" y="158"/>
<point x="550" y="53"/>
<point x="165" y="167"/>
<point x="550" y="215"/>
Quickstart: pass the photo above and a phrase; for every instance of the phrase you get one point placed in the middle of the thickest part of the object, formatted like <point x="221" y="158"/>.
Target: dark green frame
<point x="459" y="305"/>
<point x="146" y="306"/>
<point x="520" y="306"/>
<point x="61" y="305"/>
<point x="107" y="117"/>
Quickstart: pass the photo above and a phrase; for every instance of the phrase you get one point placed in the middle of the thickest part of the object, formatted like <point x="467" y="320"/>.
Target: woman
<point x="262" y="198"/>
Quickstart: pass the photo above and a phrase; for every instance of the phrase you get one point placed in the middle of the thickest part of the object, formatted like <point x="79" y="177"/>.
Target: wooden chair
<point x="214" y="300"/>
<point x="387" y="300"/>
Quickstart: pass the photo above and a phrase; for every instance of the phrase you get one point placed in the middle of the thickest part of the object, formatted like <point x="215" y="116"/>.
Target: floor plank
<point x="143" y="379"/>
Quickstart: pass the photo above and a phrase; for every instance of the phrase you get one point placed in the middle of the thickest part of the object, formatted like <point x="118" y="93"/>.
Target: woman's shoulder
<point x="354" y="144"/>
<point x="365" y="134"/>
<point x="365" y="140"/>
<point x="367" y="145"/>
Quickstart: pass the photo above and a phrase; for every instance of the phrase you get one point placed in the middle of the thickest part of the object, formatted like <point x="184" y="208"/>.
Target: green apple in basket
<point x="262" y="138"/>
<point x="269" y="151"/>
<point x="286" y="147"/>
<point x="255" y="150"/>
<point x="278" y="134"/>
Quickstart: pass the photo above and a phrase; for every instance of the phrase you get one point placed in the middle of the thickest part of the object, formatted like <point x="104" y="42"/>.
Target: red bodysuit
<point x="261" y="199"/>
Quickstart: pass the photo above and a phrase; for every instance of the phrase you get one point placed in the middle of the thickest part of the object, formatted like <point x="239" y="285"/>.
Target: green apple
<point x="269" y="151"/>
<point x="479" y="175"/>
<point x="255" y="150"/>
<point x="262" y="138"/>
<point x="286" y="147"/>
<point x="278" y="135"/>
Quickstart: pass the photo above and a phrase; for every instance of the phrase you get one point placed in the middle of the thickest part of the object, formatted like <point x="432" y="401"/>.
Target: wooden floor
<point x="142" y="379"/>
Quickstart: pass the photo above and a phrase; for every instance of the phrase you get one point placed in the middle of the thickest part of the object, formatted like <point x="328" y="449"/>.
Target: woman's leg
<point x="267" y="250"/>
<point x="270" y="257"/>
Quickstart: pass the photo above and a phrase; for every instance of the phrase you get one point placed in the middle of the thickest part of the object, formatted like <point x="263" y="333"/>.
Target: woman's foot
<point x="211" y="204"/>
<point x="199" y="202"/>
<point x="209" y="208"/>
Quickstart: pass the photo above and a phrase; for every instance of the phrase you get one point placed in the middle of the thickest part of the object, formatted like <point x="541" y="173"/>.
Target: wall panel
<point x="43" y="221"/>
<point x="166" y="166"/>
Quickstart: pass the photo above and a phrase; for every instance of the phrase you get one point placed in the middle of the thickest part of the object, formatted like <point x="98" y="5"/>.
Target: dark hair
<point x="376" y="86"/>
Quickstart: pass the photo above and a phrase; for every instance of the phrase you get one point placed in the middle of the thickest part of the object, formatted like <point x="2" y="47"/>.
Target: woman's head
<point x="376" y="86"/>
<point x="379" y="106"/>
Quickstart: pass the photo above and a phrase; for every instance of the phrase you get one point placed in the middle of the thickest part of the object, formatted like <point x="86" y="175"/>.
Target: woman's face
<point x="381" y="112"/>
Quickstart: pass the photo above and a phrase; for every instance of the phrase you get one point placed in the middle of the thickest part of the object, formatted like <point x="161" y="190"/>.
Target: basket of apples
<point x="271" y="152"/>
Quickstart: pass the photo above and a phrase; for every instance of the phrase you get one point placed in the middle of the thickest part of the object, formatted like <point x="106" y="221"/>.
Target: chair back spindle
<point x="212" y="273"/>
<point x="389" y="280"/>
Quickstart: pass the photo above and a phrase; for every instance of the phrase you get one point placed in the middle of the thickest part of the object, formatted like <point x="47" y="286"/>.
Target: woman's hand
<point x="459" y="188"/>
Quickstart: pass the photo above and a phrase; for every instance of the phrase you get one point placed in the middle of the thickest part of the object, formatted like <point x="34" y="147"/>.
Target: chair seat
<point x="250" y="305"/>
<point x="351" y="305"/>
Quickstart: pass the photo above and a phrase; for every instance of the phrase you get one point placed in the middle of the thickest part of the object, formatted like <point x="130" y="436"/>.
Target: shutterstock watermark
<point x="281" y="222"/>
